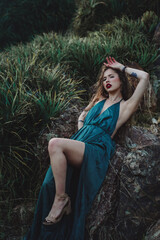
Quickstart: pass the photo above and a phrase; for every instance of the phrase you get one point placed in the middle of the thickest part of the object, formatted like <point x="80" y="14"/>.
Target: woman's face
<point x="111" y="81"/>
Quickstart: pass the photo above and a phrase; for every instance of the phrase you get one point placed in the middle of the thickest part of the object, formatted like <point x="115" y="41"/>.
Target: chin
<point x="108" y="90"/>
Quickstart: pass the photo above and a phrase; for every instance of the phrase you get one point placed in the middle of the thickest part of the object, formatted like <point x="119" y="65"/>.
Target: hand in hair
<point x="113" y="63"/>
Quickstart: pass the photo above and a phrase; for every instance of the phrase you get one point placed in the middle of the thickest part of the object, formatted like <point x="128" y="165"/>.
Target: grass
<point x="30" y="95"/>
<point x="29" y="98"/>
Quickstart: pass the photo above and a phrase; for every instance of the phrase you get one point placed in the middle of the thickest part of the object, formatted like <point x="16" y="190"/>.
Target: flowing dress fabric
<point x="82" y="184"/>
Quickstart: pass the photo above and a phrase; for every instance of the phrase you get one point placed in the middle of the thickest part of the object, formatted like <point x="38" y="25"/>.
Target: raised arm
<point x="131" y="105"/>
<point x="143" y="77"/>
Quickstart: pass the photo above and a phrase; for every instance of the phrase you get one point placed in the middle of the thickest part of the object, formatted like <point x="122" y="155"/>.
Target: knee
<point x="53" y="145"/>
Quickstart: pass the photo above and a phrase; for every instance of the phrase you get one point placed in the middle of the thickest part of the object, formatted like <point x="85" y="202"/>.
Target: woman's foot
<point x="61" y="206"/>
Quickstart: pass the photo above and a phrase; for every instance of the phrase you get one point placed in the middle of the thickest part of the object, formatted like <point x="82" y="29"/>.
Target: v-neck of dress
<point x="106" y="108"/>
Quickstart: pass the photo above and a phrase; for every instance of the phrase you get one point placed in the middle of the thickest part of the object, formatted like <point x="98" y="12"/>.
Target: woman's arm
<point x="81" y="119"/>
<point x="143" y="77"/>
<point x="85" y="112"/>
<point x="131" y="105"/>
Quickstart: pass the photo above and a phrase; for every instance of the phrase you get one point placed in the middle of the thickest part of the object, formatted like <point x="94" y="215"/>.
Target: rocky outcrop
<point x="129" y="200"/>
<point x="63" y="126"/>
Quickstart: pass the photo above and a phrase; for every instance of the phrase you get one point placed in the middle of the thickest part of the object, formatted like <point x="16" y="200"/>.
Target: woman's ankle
<point x="61" y="197"/>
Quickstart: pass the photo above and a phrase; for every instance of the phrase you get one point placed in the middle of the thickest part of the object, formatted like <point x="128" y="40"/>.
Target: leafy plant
<point x="88" y="14"/>
<point x="23" y="113"/>
<point x="149" y="21"/>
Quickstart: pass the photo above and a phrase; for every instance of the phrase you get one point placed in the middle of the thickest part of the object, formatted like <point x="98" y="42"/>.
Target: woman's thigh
<point x="73" y="149"/>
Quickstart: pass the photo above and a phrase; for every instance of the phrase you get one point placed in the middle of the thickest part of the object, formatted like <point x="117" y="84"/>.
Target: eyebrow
<point x="109" y="75"/>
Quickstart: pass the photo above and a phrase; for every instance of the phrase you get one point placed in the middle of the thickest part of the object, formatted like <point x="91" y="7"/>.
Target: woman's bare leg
<point x="61" y="151"/>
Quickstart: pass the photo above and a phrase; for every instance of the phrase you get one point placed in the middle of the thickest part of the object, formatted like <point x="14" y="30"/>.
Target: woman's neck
<point x="115" y="97"/>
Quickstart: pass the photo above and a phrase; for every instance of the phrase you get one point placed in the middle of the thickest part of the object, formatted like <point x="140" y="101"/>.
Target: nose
<point x="107" y="81"/>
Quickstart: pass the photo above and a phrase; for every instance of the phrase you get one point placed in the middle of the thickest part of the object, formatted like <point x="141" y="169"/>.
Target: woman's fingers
<point x="106" y="64"/>
<point x="111" y="61"/>
<point x="108" y="60"/>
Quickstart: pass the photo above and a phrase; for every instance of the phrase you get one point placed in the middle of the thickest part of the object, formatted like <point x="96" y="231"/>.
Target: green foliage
<point x="91" y="14"/>
<point x="20" y="20"/>
<point x="82" y="57"/>
<point x="88" y="14"/>
<point x="124" y="39"/>
<point x="31" y="93"/>
<point x="149" y="21"/>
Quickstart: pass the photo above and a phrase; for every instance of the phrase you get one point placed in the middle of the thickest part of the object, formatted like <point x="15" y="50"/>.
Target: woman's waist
<point x="92" y="133"/>
<point x="97" y="128"/>
<point x="96" y="135"/>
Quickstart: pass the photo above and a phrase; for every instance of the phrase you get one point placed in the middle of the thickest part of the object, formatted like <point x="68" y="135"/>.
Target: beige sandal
<point x="65" y="210"/>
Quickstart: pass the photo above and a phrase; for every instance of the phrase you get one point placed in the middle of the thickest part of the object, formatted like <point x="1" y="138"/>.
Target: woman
<point x="79" y="165"/>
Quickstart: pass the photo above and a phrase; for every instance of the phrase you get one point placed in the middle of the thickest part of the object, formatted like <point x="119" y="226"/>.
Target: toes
<point x="47" y="219"/>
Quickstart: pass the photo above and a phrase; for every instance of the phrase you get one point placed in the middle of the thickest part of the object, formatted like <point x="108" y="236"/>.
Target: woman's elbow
<point x="147" y="77"/>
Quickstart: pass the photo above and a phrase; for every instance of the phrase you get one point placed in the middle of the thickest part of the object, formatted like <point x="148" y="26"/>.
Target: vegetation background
<point x="51" y="52"/>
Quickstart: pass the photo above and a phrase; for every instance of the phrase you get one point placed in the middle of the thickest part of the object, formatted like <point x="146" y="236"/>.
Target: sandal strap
<point x="63" y="196"/>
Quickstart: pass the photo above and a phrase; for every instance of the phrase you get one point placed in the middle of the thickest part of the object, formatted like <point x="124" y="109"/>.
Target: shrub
<point x="149" y="21"/>
<point x="29" y="98"/>
<point x="88" y="15"/>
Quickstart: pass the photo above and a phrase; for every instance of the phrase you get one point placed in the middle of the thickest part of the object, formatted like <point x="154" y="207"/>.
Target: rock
<point x="105" y="205"/>
<point x="153" y="232"/>
<point x="129" y="200"/>
<point x="63" y="126"/>
<point x="154" y="121"/>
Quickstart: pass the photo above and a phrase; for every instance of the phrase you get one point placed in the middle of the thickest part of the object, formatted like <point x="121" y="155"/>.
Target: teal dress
<point x="82" y="184"/>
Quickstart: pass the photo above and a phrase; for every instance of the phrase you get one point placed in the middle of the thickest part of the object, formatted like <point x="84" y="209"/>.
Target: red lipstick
<point x="108" y="85"/>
